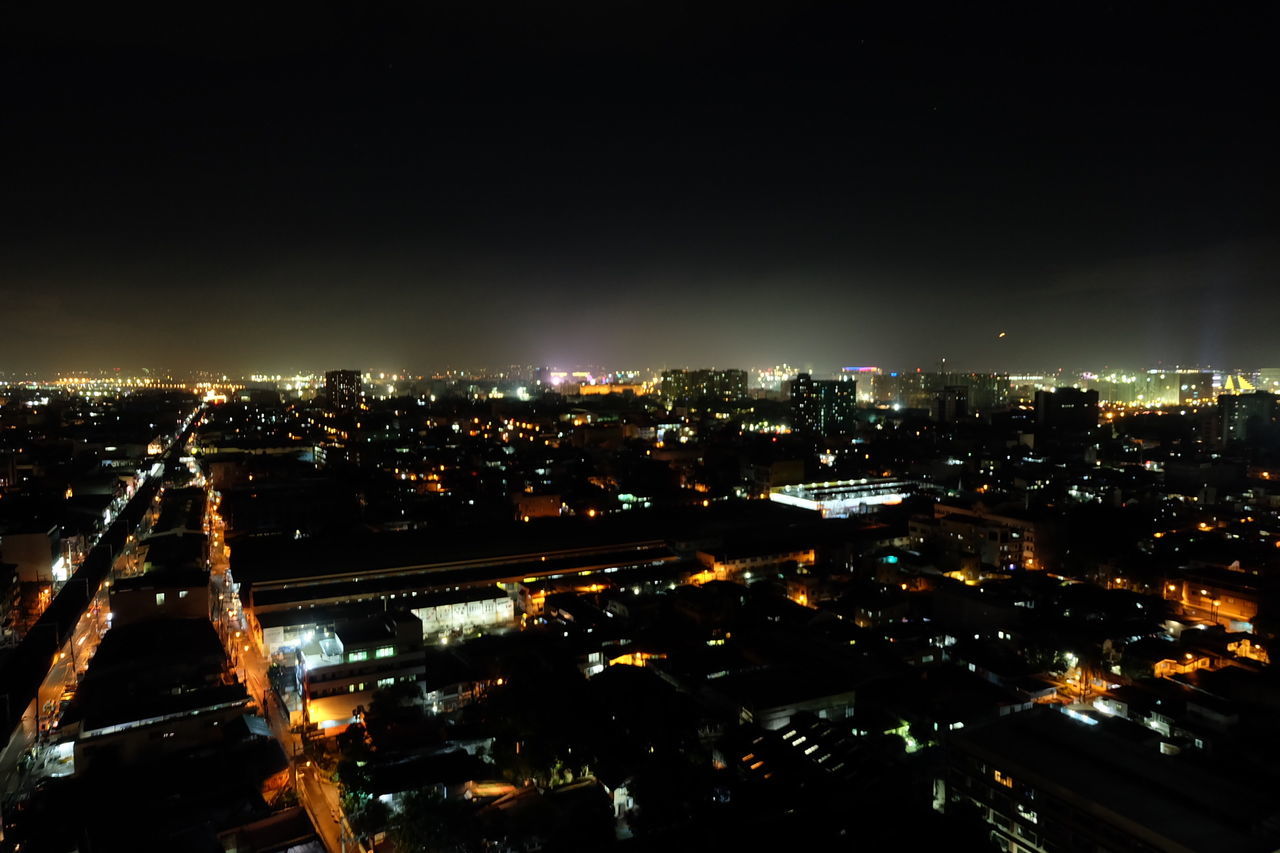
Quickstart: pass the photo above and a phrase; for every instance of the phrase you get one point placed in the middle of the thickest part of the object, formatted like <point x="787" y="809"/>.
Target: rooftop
<point x="1177" y="804"/>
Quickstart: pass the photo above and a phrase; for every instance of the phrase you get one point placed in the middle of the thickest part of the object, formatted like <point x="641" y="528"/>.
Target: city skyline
<point x="598" y="372"/>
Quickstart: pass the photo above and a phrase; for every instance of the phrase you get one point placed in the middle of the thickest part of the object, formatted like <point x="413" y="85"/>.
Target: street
<point x="317" y="793"/>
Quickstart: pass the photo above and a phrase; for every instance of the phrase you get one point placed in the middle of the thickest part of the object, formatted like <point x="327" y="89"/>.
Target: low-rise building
<point x="464" y="610"/>
<point x="153" y="687"/>
<point x="732" y="562"/>
<point x="1046" y="781"/>
<point x="344" y="668"/>
<point x="162" y="594"/>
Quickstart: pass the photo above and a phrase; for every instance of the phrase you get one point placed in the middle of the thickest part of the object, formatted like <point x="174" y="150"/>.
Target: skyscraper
<point x="823" y="407"/>
<point x="344" y="390"/>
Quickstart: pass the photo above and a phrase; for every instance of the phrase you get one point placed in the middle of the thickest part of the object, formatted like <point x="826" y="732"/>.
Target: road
<point x="317" y="797"/>
<point x="318" y="794"/>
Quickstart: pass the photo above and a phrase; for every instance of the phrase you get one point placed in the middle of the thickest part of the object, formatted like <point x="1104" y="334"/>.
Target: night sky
<point x="640" y="184"/>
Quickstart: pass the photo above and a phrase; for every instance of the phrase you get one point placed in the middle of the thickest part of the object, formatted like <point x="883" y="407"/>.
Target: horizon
<point x="435" y="187"/>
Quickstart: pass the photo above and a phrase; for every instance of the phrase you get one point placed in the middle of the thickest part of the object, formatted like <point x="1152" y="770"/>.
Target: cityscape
<point x="499" y="428"/>
<point x="590" y="608"/>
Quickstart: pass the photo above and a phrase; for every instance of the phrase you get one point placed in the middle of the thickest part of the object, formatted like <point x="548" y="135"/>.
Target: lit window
<point x="159" y="599"/>
<point x="1002" y="779"/>
<point x="357" y="656"/>
<point x="385" y="652"/>
<point x="182" y="594"/>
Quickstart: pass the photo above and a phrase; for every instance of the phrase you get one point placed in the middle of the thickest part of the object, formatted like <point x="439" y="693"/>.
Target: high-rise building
<point x="691" y="386"/>
<point x="1244" y="415"/>
<point x="951" y="404"/>
<point x="344" y="390"/>
<point x="1067" y="409"/>
<point x="823" y="407"/>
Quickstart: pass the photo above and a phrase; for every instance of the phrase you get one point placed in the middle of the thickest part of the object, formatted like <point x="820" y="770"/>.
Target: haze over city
<point x="645" y="186"/>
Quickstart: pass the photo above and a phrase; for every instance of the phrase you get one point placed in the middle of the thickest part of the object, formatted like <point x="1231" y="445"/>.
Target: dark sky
<point x="643" y="184"/>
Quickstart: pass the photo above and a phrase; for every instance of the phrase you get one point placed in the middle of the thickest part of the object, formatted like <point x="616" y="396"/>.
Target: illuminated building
<point x="686" y="386"/>
<point x="823" y="407"/>
<point x="842" y="498"/>
<point x="343" y="668"/>
<point x="344" y="389"/>
<point x="773" y="378"/>
<point x="1226" y="596"/>
<point x="586" y="390"/>
<point x="1237" y="383"/>
<point x="1195" y="387"/>
<point x="1160" y="388"/>
<point x="986" y="392"/>
<point x="732" y="563"/>
<point x="1269" y="379"/>
<point x="464" y="609"/>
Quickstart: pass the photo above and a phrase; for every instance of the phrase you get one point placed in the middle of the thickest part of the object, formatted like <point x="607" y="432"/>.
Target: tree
<point x="427" y="821"/>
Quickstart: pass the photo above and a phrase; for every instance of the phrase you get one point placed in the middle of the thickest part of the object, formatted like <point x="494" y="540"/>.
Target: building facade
<point x="344" y="390"/>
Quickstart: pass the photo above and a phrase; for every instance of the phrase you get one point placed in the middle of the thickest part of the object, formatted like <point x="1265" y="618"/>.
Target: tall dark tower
<point x="344" y="390"/>
<point x="1245" y="416"/>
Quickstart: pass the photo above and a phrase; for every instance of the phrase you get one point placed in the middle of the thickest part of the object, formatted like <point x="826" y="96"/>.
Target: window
<point x="182" y="594"/>
<point x="386" y="682"/>
<point x="1002" y="779"/>
<point x="159" y="599"/>
<point x="356" y="656"/>
<point x="385" y="652"/>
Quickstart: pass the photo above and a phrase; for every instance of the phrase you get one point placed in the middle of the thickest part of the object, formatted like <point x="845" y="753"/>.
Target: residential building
<point x="692" y="386"/>
<point x="344" y="390"/>
<point x="823" y="407"/>
<point x="1244" y="416"/>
